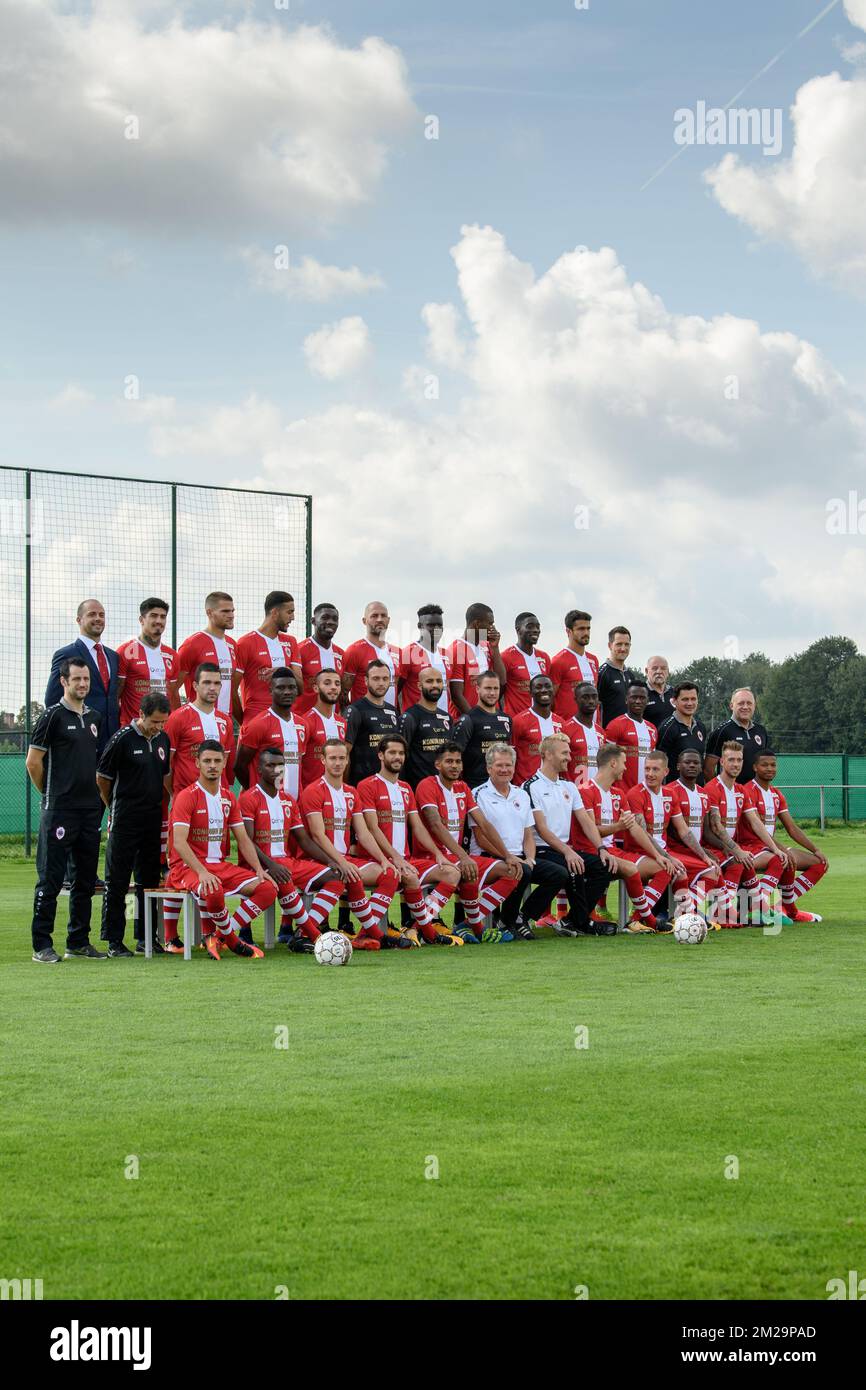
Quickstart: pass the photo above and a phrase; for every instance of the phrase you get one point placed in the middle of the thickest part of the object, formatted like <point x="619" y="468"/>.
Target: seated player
<point x="276" y="727"/>
<point x="532" y="725"/>
<point x="805" y="865"/>
<point x="202" y="818"/>
<point x="761" y="854"/>
<point x="335" y="824"/>
<point x="685" y="845"/>
<point x="445" y="802"/>
<point x="391" y="813"/>
<point x="721" y="832"/>
<point x="275" y="826"/>
<point x="633" y="732"/>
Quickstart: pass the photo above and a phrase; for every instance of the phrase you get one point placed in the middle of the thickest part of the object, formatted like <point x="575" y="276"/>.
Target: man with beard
<point x="277" y="727"/>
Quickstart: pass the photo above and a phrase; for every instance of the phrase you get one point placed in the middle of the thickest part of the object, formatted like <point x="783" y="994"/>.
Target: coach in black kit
<point x="484" y="726"/>
<point x="61" y="764"/>
<point x="132" y="776"/>
<point x="425" y="728"/>
<point x="367" y="722"/>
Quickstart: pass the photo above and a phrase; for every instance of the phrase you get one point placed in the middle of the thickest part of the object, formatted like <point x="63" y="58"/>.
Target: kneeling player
<point x="805" y="864"/>
<point x="332" y="816"/>
<point x="202" y="818"/>
<point x="390" y="810"/>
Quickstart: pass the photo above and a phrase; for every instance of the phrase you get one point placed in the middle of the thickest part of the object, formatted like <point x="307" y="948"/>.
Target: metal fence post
<point x="845" y="806"/>
<point x="28" y="788"/>
<point x="309" y="564"/>
<point x="821" y="795"/>
<point x="174" y="565"/>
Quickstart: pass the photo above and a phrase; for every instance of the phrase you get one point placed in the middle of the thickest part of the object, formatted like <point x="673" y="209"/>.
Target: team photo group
<point x="496" y="781"/>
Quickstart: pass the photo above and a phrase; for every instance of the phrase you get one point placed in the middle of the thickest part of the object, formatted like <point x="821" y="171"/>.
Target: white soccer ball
<point x="690" y="928"/>
<point x="332" y="948"/>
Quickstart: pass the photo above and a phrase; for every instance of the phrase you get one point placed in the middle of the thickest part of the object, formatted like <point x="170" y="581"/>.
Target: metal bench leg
<point x="270" y="934"/>
<point x="622" y="906"/>
<point x="187" y="939"/>
<point x="148" y="927"/>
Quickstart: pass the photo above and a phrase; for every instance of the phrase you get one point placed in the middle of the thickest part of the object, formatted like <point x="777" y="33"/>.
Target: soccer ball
<point x="332" y="948"/>
<point x="690" y="929"/>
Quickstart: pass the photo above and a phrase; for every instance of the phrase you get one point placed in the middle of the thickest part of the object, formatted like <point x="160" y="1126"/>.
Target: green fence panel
<point x="812" y="769"/>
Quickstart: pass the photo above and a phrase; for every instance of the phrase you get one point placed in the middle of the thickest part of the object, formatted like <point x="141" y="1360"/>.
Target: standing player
<point x="634" y="733"/>
<point x="391" y="812"/>
<point x="212" y="645"/>
<point x="683" y="730"/>
<point x="531" y="726"/>
<point x="323" y="723"/>
<point x="332" y="816"/>
<point x="614" y="676"/>
<point x="278" y="727"/>
<point x="574" y="664"/>
<point x="659" y="705"/>
<point x="752" y="737"/>
<point x="421" y="656"/>
<point x="372" y="647"/>
<point x="425" y="727"/>
<point x="471" y="655"/>
<point x="146" y="665"/>
<point x="806" y="864"/>
<point x="369" y="720"/>
<point x="523" y="661"/>
<point x="319" y="653"/>
<point x="585" y="734"/>
<point x="203" y="817"/>
<point x="259" y="654"/>
<point x="483" y="728"/>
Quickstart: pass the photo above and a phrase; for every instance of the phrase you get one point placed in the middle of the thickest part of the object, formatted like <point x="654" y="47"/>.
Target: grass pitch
<point x="307" y="1171"/>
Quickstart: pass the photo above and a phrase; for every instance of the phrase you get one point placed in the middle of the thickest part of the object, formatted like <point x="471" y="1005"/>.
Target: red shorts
<point x="695" y="868"/>
<point x="422" y="866"/>
<point x="631" y="856"/>
<point x="233" y="878"/>
<point x="309" y="874"/>
<point x="484" y="864"/>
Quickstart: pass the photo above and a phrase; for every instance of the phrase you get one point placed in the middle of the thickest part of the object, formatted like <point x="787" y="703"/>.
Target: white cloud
<point x="338" y="349"/>
<point x="71" y="396"/>
<point x="308" y="280"/>
<point x="815" y="200"/>
<point x="234" y="122"/>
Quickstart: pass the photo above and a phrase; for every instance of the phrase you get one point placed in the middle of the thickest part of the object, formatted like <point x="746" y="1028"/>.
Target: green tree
<point x="808" y="701"/>
<point x="718" y="677"/>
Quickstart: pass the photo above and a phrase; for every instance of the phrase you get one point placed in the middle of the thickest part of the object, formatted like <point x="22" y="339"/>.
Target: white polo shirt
<point x="510" y="815"/>
<point x="557" y="801"/>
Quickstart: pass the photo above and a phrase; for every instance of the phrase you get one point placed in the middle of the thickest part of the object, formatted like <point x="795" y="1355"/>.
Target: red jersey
<point x="468" y="662"/>
<point x="314" y="659"/>
<point x="187" y="727"/>
<point x="413" y="660"/>
<point x="527" y="731"/>
<point x="566" y="669"/>
<point x="146" y="671"/>
<point x="637" y="737"/>
<point x="656" y="809"/>
<point x="692" y="805"/>
<point x="357" y="658"/>
<point x="318" y="730"/>
<point x="605" y="807"/>
<point x="336" y="806"/>
<point x="585" y="742"/>
<point x="520" y="667"/>
<point x="729" y="803"/>
<point x="223" y="651"/>
<point x="453" y="805"/>
<point x="270" y="730"/>
<point x="393" y="803"/>
<point x="209" y="819"/>
<point x="274" y="820"/>
<point x="768" y="804"/>
<point x="257" y="657"/>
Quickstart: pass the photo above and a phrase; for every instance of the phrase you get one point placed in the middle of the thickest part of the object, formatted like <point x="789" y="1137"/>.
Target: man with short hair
<point x="471" y="655"/>
<point x="721" y="832"/>
<point x="323" y="724"/>
<point x="269" y="648"/>
<point x="146" y="664"/>
<point x="426" y="727"/>
<point x="806" y="865"/>
<point x="523" y="661"/>
<point x="614" y="676"/>
<point x="278" y="727"/>
<point x="686" y="844"/>
<point x="741" y="728"/>
<point x="683" y="730"/>
<point x="745" y="825"/>
<point x="585" y="734"/>
<point x="634" y="733"/>
<point x="373" y="646"/>
<point x="659" y="706"/>
<point x="319" y="653"/>
<point x="508" y="809"/>
<point x="102" y="663"/>
<point x="61" y="764"/>
<point x="213" y="645"/>
<point x="369" y="720"/>
<point x="133" y="780"/>
<point x="483" y="728"/>
<point x="422" y="655"/>
<point x="574" y="664"/>
<point x="531" y="726"/>
<point x="203" y="818"/>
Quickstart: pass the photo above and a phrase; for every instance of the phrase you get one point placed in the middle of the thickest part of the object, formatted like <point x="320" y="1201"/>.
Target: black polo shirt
<point x="425" y="732"/>
<point x="366" y="725"/>
<point x="135" y="766"/>
<point x="612" y="684"/>
<point x="70" y="742"/>
<point x="475" y="732"/>
<point x="675" y="737"/>
<point x="754" y="740"/>
<point x="659" y="707"/>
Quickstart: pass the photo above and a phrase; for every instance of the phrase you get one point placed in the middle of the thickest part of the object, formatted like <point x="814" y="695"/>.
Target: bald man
<point x="102" y="663"/>
<point x="740" y="728"/>
<point x="373" y="646"/>
<point x="659" y="705"/>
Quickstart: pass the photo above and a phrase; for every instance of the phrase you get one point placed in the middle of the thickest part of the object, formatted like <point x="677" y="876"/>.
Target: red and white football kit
<point x="314" y="659"/>
<point x="319" y="728"/>
<point x="393" y="803"/>
<point x="187" y="728"/>
<point x="606" y="806"/>
<point x="638" y="737"/>
<point x="222" y="651"/>
<point x="520" y="667"/>
<point x="730" y="802"/>
<point x="413" y="660"/>
<point x="468" y="661"/>
<point x="585" y="742"/>
<point x="793" y="882"/>
<point x="693" y="803"/>
<point x="257" y="657"/>
<point x="337" y="806"/>
<point x="273" y="821"/>
<point x="357" y="658"/>
<point x="656" y="809"/>
<point x="146" y="671"/>
<point x="566" y="669"/>
<point x="454" y="804"/>
<point x="527" y="731"/>
<point x="270" y="730"/>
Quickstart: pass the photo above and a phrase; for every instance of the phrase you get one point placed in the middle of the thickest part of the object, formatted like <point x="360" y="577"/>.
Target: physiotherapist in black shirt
<point x="425" y="728"/>
<point x="683" y="730"/>
<point x="61" y="764"/>
<point x="482" y="728"/>
<point x="132" y="775"/>
<point x="368" y="720"/>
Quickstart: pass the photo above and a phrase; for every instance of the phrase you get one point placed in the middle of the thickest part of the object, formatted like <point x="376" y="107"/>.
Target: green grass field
<point x="558" y="1166"/>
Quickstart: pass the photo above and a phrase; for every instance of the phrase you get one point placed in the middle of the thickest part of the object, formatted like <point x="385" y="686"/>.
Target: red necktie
<point x="102" y="663"/>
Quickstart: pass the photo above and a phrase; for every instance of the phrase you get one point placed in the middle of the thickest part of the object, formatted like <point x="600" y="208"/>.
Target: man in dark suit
<point x="102" y="663"/>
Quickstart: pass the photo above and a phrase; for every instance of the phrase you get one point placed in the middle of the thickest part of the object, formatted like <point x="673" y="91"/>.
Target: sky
<point x="447" y="268"/>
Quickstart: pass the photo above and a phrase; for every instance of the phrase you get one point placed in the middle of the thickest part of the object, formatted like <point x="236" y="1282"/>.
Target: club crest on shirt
<point x="758" y="738"/>
<point x="161" y="753"/>
<point x="60" y="832"/>
<point x="94" y="731"/>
